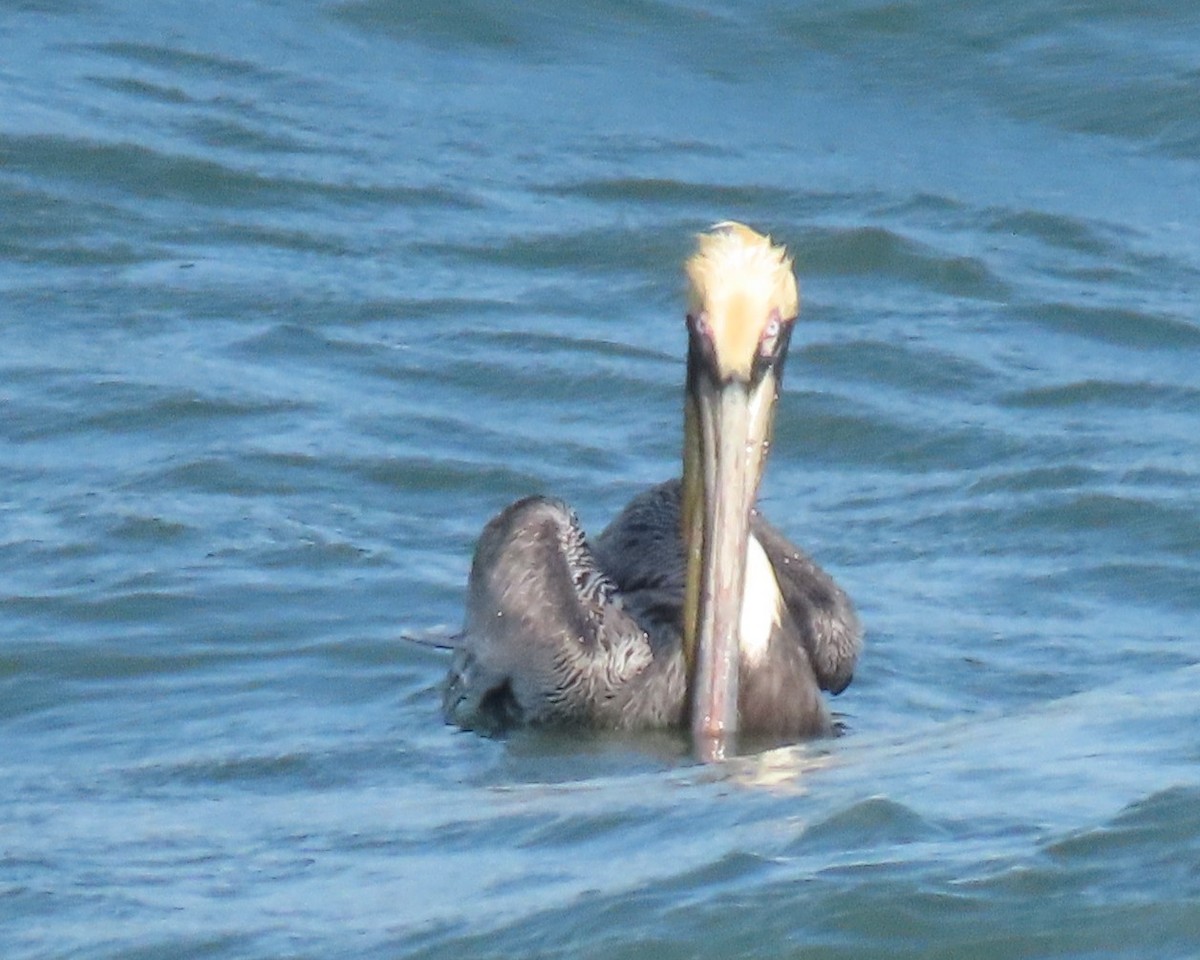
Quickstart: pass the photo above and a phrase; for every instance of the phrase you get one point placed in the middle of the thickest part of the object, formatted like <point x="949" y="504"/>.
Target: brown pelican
<point x="689" y="607"/>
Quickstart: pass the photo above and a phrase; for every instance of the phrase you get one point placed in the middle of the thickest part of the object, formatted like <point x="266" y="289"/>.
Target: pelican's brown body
<point x="560" y="633"/>
<point x="689" y="608"/>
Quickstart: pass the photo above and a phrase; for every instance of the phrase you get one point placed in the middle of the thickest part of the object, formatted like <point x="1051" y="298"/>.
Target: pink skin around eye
<point x="770" y="334"/>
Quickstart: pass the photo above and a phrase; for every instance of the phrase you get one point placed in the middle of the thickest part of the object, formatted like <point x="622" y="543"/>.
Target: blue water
<point x="294" y="297"/>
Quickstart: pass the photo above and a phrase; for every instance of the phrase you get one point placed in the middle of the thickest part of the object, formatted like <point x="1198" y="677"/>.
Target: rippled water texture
<point x="295" y="296"/>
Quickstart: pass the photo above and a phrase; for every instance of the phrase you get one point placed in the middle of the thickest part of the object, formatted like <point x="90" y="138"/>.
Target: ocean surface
<point x="295" y="296"/>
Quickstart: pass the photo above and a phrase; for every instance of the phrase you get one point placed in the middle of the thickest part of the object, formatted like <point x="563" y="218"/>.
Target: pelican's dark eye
<point x="768" y="343"/>
<point x="697" y="324"/>
<point x="773" y="344"/>
<point x="700" y="340"/>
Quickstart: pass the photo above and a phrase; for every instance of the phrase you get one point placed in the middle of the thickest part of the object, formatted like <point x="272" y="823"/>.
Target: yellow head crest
<point x="738" y="281"/>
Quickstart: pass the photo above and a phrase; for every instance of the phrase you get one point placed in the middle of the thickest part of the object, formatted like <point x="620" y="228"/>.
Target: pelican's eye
<point x="771" y="339"/>
<point x="772" y="345"/>
<point x="700" y="339"/>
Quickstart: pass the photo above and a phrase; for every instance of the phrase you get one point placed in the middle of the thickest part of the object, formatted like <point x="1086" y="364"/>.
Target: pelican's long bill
<point x="742" y="302"/>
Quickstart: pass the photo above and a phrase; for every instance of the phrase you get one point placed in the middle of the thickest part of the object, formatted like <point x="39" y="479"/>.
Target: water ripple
<point x="135" y="170"/>
<point x="883" y="254"/>
<point x="1121" y="327"/>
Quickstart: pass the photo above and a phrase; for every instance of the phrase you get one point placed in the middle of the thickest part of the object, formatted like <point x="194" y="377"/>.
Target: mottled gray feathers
<point x="560" y="632"/>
